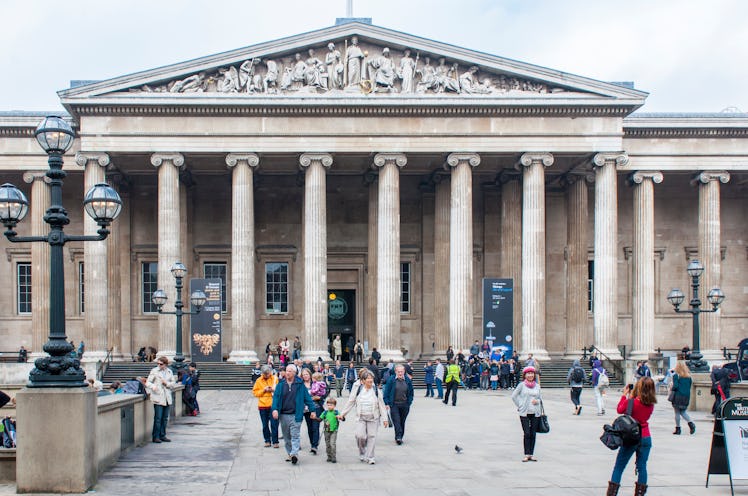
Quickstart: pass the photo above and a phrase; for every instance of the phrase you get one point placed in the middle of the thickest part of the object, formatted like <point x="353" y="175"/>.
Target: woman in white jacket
<point x="529" y="405"/>
<point x="160" y="384"/>
<point x="370" y="409"/>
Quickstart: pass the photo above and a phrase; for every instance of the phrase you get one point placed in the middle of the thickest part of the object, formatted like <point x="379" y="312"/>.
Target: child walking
<point x="329" y="419"/>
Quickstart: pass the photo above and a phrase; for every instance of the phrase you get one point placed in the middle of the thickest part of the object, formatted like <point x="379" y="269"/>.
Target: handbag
<point x="671" y="396"/>
<point x="543" y="426"/>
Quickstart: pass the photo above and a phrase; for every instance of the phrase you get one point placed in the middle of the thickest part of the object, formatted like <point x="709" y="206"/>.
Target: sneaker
<point x="579" y="410"/>
<point x="165" y="439"/>
<point x="294" y="459"/>
<point x="333" y="461"/>
<point x="314" y="451"/>
<point x="371" y="461"/>
<point x="362" y="458"/>
<point x="288" y="458"/>
<point x="276" y="445"/>
<point x="399" y="441"/>
<point x="267" y="445"/>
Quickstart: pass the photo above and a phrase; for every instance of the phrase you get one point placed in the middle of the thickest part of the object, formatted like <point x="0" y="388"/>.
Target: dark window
<point x="405" y="287"/>
<point x="23" y="278"/>
<point x="591" y="286"/>
<point x="276" y="287"/>
<point x="81" y="288"/>
<point x="149" y="285"/>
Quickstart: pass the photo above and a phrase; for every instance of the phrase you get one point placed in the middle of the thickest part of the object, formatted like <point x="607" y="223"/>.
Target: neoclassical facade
<point x="360" y="181"/>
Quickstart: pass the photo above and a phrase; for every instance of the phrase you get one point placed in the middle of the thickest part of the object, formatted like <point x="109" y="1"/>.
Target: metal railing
<point x="613" y="363"/>
<point x="730" y="353"/>
<point x="103" y="365"/>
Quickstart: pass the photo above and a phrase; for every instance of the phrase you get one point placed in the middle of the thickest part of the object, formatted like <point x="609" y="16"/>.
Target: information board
<point x="729" y="454"/>
<point x="205" y="327"/>
<point x="498" y="313"/>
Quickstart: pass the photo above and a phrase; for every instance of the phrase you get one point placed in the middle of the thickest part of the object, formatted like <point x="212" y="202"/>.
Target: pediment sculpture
<point x="355" y="69"/>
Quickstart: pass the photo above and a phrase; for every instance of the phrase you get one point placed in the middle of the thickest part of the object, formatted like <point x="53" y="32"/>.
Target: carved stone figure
<point x="446" y="77"/>
<point x="428" y="77"/>
<point x="334" y="67"/>
<point x="246" y="73"/>
<point x="316" y="75"/>
<point x="298" y="74"/>
<point x="384" y="71"/>
<point x="192" y="84"/>
<point x="270" y="82"/>
<point x="287" y="79"/>
<point x="230" y="81"/>
<point x="407" y="72"/>
<point x="353" y="59"/>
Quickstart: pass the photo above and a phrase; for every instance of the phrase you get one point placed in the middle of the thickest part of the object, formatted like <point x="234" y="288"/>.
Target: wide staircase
<point x="224" y="375"/>
<point x="213" y="375"/>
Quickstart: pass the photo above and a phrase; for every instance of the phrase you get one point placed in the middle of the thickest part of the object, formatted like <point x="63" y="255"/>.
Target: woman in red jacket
<point x="644" y="400"/>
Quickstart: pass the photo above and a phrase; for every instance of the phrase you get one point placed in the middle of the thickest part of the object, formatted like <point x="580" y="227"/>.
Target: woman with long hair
<point x="644" y="397"/>
<point x="529" y="405"/>
<point x="312" y="426"/>
<point x="682" y="396"/>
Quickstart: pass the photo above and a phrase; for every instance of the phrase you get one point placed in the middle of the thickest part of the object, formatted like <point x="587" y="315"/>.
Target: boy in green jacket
<point x="330" y="421"/>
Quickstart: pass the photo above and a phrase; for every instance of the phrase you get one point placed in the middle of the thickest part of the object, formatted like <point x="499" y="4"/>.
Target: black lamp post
<point x="715" y="297"/>
<point x="197" y="299"/>
<point x="102" y="203"/>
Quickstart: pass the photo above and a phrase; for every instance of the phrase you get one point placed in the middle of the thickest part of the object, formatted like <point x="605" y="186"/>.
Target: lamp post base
<point x="697" y="364"/>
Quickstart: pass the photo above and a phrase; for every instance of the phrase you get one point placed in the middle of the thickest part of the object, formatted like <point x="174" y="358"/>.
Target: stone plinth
<point x="58" y="451"/>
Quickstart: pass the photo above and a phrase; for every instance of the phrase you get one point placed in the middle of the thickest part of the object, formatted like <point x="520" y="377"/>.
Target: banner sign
<point x="498" y="314"/>
<point x="205" y="327"/>
<point x="729" y="454"/>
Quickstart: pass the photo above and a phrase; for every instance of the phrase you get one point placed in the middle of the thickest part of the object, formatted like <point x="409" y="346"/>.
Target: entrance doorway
<point x="341" y="319"/>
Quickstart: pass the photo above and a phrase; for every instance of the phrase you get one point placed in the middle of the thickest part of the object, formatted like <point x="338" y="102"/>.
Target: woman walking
<point x="312" y="426"/>
<point x="575" y="378"/>
<point x="597" y="372"/>
<point x="529" y="405"/>
<point x="682" y="396"/>
<point x="644" y="397"/>
<point x="370" y="409"/>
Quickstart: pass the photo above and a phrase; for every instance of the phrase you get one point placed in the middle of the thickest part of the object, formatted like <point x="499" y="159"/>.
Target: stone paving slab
<point x="221" y="453"/>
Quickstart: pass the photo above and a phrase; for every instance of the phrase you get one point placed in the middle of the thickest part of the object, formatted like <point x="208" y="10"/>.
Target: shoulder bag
<point x="543" y="426"/>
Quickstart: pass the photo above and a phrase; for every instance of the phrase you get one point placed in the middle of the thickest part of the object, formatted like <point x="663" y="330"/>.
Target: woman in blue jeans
<point x="644" y="401"/>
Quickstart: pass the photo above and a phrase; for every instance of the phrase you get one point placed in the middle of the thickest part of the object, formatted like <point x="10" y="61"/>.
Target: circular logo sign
<point x="337" y="309"/>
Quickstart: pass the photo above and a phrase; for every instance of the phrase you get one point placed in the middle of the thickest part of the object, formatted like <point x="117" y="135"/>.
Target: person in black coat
<point x="720" y="387"/>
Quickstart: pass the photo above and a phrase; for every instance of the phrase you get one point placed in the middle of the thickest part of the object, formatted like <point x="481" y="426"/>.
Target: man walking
<point x="339" y="373"/>
<point x="438" y="378"/>
<point x="289" y="400"/>
<point x="428" y="379"/>
<point x="398" y="396"/>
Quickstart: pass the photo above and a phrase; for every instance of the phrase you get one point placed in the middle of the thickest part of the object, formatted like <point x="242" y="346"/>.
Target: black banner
<point x="205" y="327"/>
<point x="498" y="314"/>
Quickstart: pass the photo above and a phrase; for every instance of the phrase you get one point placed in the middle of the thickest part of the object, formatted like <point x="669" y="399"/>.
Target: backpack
<point x="577" y="375"/>
<point x="360" y="386"/>
<point x="603" y="380"/>
<point x="625" y="431"/>
<point x="9" y="433"/>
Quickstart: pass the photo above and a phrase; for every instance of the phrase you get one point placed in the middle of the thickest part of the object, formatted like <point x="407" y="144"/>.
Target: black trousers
<point x="399" y="413"/>
<point x="576" y="393"/>
<point x="529" y="427"/>
<point x="451" y="386"/>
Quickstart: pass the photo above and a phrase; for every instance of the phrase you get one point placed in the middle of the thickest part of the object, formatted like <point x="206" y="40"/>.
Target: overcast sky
<point x="691" y="56"/>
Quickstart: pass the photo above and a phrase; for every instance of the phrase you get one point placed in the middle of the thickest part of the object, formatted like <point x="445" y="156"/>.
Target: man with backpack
<point x="600" y="383"/>
<point x="575" y="378"/>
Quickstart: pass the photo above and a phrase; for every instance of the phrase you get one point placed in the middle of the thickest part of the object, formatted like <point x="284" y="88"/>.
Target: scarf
<point x="530" y="384"/>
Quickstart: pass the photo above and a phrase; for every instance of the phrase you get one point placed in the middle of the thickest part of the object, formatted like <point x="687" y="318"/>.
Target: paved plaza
<point x="221" y="452"/>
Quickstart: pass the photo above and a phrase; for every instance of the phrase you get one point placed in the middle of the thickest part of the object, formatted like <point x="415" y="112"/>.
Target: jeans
<point x="484" y="381"/>
<point x="451" y="386"/>
<point x="312" y="428"/>
<point x="160" y="419"/>
<point x="296" y="355"/>
<point x="529" y="427"/>
<point x="331" y="443"/>
<point x="494" y="385"/>
<point x="269" y="426"/>
<point x="504" y="381"/>
<point x="291" y="432"/>
<point x="624" y="455"/>
<point x="681" y="413"/>
<point x="600" y="400"/>
<point x="439" y="388"/>
<point x="429" y="390"/>
<point x="399" y="413"/>
<point x="576" y="393"/>
<point x="339" y="382"/>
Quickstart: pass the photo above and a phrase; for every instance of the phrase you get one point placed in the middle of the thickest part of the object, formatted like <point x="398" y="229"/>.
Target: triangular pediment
<point x="351" y="61"/>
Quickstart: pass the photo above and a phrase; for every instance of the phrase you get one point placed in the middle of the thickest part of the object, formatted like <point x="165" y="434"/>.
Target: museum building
<point x="361" y="181"/>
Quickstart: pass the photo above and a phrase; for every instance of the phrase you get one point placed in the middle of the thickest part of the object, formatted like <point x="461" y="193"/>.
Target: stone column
<point x="169" y="251"/>
<point x="606" y="243"/>
<point x="643" y="314"/>
<point x="461" y="332"/>
<point x="511" y="249"/>
<point x="314" y="334"/>
<point x="710" y="339"/>
<point x="371" y="266"/>
<point x="96" y="314"/>
<point x="242" y="256"/>
<point x="114" y="274"/>
<point x="388" y="254"/>
<point x="576" y="264"/>
<point x="533" y="253"/>
<point x="40" y="200"/>
<point x="441" y="265"/>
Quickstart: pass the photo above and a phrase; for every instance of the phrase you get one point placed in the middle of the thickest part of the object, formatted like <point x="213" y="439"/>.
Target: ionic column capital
<point x="30" y="177"/>
<point x="638" y="177"/>
<point x="455" y="159"/>
<point x="84" y="158"/>
<point x="382" y="159"/>
<point x="252" y="159"/>
<point x="307" y="159"/>
<point x="705" y="177"/>
<point x="573" y="178"/>
<point x="176" y="159"/>
<point x="617" y="158"/>
<point x="527" y="159"/>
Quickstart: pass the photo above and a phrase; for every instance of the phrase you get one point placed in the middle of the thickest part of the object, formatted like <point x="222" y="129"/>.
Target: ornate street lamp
<point x="715" y="297"/>
<point x="197" y="299"/>
<point x="102" y="203"/>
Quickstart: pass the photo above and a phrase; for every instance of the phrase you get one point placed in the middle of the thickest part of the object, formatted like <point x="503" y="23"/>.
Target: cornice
<point x="679" y="132"/>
